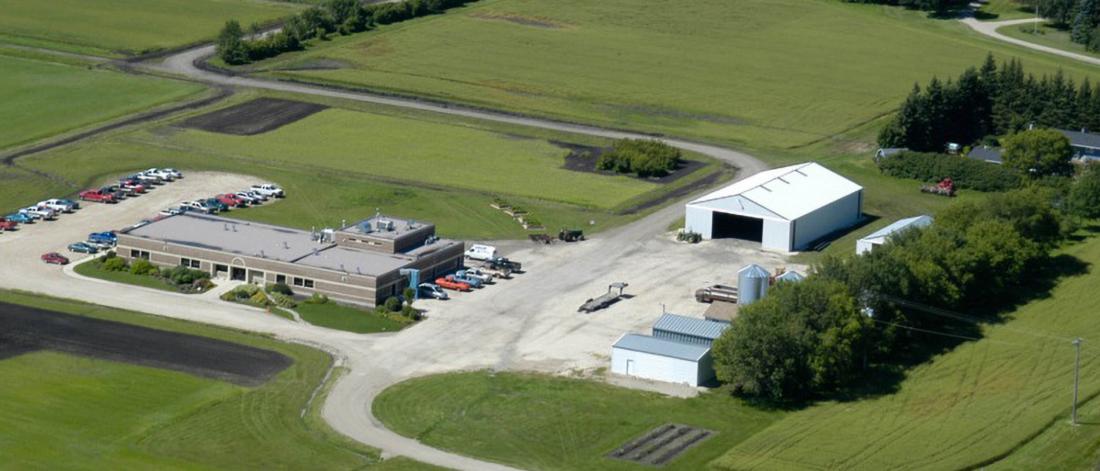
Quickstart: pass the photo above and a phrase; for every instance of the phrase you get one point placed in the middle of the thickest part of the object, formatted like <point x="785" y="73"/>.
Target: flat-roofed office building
<point x="361" y="263"/>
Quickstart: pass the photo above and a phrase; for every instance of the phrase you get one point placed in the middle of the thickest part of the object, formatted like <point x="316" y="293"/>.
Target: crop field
<point x="790" y="72"/>
<point x="344" y="163"/>
<point x="553" y="423"/>
<point x="78" y="412"/>
<point x="116" y="28"/>
<point x="972" y="405"/>
<point x="50" y="97"/>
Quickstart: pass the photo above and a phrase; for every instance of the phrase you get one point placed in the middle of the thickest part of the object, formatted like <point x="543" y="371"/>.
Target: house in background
<point x="986" y="154"/>
<point x="1086" y="145"/>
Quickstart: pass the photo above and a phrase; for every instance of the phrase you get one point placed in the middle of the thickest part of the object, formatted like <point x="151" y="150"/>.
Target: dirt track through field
<point x="254" y="117"/>
<point x="25" y="329"/>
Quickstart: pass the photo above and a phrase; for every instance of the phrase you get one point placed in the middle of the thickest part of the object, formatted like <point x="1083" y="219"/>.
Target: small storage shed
<point x="688" y="329"/>
<point x="784" y="209"/>
<point x="661" y="359"/>
<point x="882" y="236"/>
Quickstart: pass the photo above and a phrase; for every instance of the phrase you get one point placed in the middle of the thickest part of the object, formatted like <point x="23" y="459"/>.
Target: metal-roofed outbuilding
<point x="688" y="329"/>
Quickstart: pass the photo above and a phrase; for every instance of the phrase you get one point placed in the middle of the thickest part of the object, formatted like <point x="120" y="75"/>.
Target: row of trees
<point x="1080" y="17"/>
<point x="938" y="6"/>
<point x="645" y="158"/>
<point x="990" y="101"/>
<point x="966" y="173"/>
<point x="818" y="337"/>
<point x="336" y="16"/>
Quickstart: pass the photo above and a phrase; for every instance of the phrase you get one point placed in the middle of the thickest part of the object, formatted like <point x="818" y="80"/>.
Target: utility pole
<point x="1036" y="18"/>
<point x="1076" y="378"/>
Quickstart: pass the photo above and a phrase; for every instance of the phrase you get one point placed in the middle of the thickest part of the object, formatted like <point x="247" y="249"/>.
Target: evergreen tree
<point x="1084" y="21"/>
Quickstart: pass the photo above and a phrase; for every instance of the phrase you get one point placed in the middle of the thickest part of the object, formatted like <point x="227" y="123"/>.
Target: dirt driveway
<point x="529" y="322"/>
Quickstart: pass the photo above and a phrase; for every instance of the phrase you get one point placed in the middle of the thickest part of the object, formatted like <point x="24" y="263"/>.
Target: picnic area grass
<point x="116" y="28"/>
<point x="755" y="73"/>
<point x="543" y="422"/>
<point x="60" y="411"/>
<point x="42" y="98"/>
<point x="341" y="317"/>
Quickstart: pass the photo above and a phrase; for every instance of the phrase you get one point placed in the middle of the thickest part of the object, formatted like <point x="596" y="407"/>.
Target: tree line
<point x="858" y="314"/>
<point x="937" y="6"/>
<point x="342" y="17"/>
<point x="990" y="101"/>
<point x="1080" y="17"/>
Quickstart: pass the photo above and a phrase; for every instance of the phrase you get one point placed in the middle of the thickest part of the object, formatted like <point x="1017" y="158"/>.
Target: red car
<point x="231" y="200"/>
<point x="133" y="185"/>
<point x="448" y="282"/>
<point x="98" y="195"/>
<point x="6" y="225"/>
<point x="55" y="258"/>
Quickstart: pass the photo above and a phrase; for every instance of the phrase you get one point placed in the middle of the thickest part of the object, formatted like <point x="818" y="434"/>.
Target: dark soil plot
<point x="662" y="444"/>
<point x="254" y="117"/>
<point x="24" y="329"/>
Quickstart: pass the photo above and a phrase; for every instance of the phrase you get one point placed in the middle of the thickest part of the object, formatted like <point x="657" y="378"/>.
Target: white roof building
<point x="882" y="236"/>
<point x="784" y="209"/>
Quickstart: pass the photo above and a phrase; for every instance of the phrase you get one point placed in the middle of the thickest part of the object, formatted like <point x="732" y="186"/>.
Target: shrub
<point x="317" y="298"/>
<point x="143" y="267"/>
<point x="114" y="264"/>
<point x="183" y="276"/>
<point x="965" y="172"/>
<point x="280" y="288"/>
<point x="411" y="313"/>
<point x="259" y="299"/>
<point x="645" y="158"/>
<point x="393" y="304"/>
<point x="283" y="300"/>
<point x="1084" y="195"/>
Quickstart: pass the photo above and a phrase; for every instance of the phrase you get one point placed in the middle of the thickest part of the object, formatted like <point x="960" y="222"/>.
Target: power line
<point x="945" y="334"/>
<point x="965" y="318"/>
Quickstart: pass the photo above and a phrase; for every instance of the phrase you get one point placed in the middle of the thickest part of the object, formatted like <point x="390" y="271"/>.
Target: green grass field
<point x="329" y="180"/>
<point x="41" y="98"/>
<point x="64" y="412"/>
<point x="976" y="403"/>
<point x="1047" y="36"/>
<point x="1000" y="10"/>
<point x="553" y="423"/>
<point x="336" y="316"/>
<point x="758" y="73"/>
<point x="126" y="27"/>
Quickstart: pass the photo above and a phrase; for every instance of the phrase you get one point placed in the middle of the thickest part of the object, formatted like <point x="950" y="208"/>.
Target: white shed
<point x="784" y="209"/>
<point x="660" y="359"/>
<point x="881" y="236"/>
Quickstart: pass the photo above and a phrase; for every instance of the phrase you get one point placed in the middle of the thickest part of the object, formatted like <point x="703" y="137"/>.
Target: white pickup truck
<point x="39" y="212"/>
<point x="268" y="189"/>
<point x="56" y="205"/>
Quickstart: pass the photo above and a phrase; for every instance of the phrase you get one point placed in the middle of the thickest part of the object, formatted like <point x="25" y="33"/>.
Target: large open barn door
<point x="732" y="226"/>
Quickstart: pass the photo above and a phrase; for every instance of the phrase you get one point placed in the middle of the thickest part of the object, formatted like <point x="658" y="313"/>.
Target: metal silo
<point x="790" y="275"/>
<point x="752" y="284"/>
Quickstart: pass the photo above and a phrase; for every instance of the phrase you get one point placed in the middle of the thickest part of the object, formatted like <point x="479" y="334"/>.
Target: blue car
<point x="71" y="203"/>
<point x="473" y="282"/>
<point x="108" y="238"/>
<point x="20" y="218"/>
<point x="81" y="247"/>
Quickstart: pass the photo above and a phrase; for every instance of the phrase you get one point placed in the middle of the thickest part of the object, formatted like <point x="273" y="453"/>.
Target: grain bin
<point x="752" y="284"/>
<point x="790" y="275"/>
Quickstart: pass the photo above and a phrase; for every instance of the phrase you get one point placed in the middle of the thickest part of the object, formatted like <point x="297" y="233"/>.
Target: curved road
<point x="529" y="323"/>
<point x="989" y="28"/>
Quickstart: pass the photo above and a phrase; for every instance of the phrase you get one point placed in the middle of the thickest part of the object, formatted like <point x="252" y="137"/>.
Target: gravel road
<point x="989" y="28"/>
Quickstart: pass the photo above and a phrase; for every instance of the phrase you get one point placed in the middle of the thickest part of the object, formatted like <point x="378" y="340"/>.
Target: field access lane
<point x="989" y="28"/>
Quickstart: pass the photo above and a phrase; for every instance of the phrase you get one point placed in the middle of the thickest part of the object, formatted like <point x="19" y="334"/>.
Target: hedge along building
<point x="361" y="263"/>
<point x="784" y="209"/>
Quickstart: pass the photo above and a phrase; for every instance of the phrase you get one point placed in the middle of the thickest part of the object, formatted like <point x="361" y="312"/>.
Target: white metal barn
<point x="881" y="236"/>
<point x="661" y="359"/>
<point x="784" y="209"/>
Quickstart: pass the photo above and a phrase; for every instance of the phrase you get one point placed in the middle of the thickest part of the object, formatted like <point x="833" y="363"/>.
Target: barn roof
<point x="898" y="226"/>
<point x="662" y="347"/>
<point x="788" y="192"/>
<point x="690" y="326"/>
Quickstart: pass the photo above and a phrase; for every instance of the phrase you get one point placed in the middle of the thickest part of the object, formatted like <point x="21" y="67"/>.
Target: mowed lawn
<point x="759" y="73"/>
<point x="553" y="423"/>
<point x="1047" y="36"/>
<point x="39" y="99"/>
<point x="59" y="411"/>
<point x="431" y="153"/>
<point x="126" y="27"/>
<point x="966" y="407"/>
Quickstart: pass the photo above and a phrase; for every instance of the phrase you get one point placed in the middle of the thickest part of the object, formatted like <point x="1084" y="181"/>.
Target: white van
<point x="481" y="252"/>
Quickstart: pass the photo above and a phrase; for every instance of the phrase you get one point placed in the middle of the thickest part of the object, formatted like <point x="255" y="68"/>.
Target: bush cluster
<point x="965" y="172"/>
<point x="815" y="337"/>
<point x="645" y="158"/>
<point x="336" y="16"/>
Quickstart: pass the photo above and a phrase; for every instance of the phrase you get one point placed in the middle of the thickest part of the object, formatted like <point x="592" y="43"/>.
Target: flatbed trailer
<point x="613" y="294"/>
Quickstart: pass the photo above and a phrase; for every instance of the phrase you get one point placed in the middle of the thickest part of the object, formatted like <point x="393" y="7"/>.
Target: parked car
<point x="481" y="252"/>
<point x="197" y="206"/>
<point x="151" y="179"/>
<point x="60" y="206"/>
<point x="108" y="238"/>
<point x="173" y="211"/>
<point x="82" y="247"/>
<point x="250" y="198"/>
<point x="449" y="282"/>
<point x="218" y="206"/>
<point x="268" y="189"/>
<point x="496" y="271"/>
<point x="161" y="174"/>
<point x="461" y="277"/>
<point x="55" y="258"/>
<point x="119" y="192"/>
<point x="7" y="225"/>
<point x="97" y="195"/>
<point x="133" y="184"/>
<point x="39" y="212"/>
<point x="429" y="290"/>
<point x="173" y="172"/>
<point x="231" y="200"/>
<point x="478" y="273"/>
<point x="20" y="218"/>
<point x="503" y="262"/>
<point x="255" y="194"/>
<point x="74" y="204"/>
